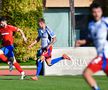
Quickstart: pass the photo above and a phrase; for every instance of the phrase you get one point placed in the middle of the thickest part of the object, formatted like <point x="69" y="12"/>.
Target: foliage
<point x="24" y="15"/>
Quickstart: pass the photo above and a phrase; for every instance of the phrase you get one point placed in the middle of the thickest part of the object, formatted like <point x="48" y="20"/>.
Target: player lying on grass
<point x="48" y="38"/>
<point x="6" y="52"/>
<point x="98" y="28"/>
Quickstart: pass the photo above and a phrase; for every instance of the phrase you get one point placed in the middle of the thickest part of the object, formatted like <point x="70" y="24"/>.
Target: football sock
<point x="56" y="60"/>
<point x="39" y="67"/>
<point x="95" y="88"/>
<point x="3" y="58"/>
<point x="17" y="66"/>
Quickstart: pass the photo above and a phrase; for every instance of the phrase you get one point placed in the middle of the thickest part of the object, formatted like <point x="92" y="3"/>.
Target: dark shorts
<point x="8" y="51"/>
<point x="44" y="52"/>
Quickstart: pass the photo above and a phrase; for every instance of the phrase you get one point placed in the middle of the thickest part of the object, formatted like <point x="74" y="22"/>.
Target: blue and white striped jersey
<point x="44" y="36"/>
<point x="98" y="33"/>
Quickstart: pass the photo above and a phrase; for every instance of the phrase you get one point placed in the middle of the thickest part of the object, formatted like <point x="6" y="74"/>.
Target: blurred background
<point x="68" y="26"/>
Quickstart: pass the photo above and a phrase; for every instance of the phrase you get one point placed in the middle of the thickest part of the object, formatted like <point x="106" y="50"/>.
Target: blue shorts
<point x="8" y="51"/>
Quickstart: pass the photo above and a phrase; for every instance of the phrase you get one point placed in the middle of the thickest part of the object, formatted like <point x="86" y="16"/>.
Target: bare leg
<point x="89" y="78"/>
<point x="18" y="67"/>
<point x="51" y="62"/>
<point x="3" y="57"/>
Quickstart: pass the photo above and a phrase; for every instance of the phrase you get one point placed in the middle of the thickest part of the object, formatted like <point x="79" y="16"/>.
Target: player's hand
<point x="29" y="47"/>
<point x="77" y="43"/>
<point x="80" y="42"/>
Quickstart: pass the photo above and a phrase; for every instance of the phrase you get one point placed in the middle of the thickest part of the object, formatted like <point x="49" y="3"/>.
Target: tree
<point x="23" y="14"/>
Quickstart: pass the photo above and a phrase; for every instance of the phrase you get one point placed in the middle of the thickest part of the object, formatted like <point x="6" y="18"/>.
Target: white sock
<point x="96" y="87"/>
<point x="23" y="73"/>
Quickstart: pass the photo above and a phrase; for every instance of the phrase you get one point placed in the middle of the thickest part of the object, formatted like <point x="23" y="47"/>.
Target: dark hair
<point x="95" y="5"/>
<point x="3" y="19"/>
<point x="41" y="20"/>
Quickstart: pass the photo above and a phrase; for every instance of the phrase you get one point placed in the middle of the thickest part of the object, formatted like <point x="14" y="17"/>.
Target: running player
<point x="48" y="38"/>
<point x="98" y="28"/>
<point x="6" y="52"/>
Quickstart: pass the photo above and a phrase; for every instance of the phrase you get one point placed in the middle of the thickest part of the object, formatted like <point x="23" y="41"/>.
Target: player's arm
<point x="80" y="42"/>
<point x="23" y="35"/>
<point x="53" y="36"/>
<point x="52" y="42"/>
<point x="33" y="43"/>
<point x="86" y="41"/>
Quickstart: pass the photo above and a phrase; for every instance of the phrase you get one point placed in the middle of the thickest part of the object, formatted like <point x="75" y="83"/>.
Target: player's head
<point x="41" y="22"/>
<point x="3" y="22"/>
<point x="96" y="10"/>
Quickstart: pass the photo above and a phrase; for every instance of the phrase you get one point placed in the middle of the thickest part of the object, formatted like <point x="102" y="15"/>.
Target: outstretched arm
<point x="23" y="35"/>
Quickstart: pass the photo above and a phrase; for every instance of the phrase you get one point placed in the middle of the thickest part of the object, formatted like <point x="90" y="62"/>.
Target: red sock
<point x="17" y="66"/>
<point x="3" y="58"/>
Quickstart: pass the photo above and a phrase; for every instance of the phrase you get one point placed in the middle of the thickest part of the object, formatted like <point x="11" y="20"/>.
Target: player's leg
<point x="3" y="57"/>
<point x="51" y="62"/>
<point x="90" y="80"/>
<point x="14" y="61"/>
<point x="39" y="67"/>
<point x="18" y="67"/>
<point x="106" y="69"/>
<point x="93" y="67"/>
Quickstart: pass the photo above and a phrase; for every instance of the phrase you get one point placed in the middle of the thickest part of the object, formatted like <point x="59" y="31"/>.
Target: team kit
<point x="98" y="29"/>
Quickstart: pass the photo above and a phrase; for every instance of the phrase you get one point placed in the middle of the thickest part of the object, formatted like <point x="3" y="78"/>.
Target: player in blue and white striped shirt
<point x="48" y="38"/>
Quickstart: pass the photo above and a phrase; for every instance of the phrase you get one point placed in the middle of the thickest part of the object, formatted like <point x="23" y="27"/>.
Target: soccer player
<point x="98" y="28"/>
<point x="6" y="52"/>
<point x="48" y="38"/>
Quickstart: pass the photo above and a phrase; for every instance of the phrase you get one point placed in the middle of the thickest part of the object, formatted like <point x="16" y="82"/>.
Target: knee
<point x="87" y="73"/>
<point x="49" y="64"/>
<point x="42" y="58"/>
<point x="13" y="60"/>
<point x="1" y="52"/>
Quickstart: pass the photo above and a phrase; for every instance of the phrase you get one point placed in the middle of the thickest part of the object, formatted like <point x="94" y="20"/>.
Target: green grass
<point x="49" y="83"/>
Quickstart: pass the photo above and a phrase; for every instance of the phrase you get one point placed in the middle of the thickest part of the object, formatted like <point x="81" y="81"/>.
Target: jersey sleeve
<point x="105" y="19"/>
<point x="51" y="33"/>
<point x="39" y="35"/>
<point x="13" y="28"/>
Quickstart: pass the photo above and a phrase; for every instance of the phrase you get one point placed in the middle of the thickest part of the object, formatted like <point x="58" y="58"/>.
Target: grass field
<point x="49" y="83"/>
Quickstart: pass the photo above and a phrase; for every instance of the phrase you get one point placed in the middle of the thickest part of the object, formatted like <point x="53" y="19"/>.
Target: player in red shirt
<point x="6" y="52"/>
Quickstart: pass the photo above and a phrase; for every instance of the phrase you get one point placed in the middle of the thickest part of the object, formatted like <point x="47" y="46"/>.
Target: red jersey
<point x="7" y="34"/>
